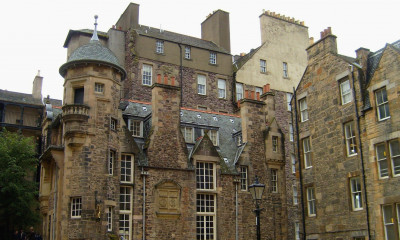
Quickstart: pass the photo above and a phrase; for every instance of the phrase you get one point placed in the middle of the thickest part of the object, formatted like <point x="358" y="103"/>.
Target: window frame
<point x="274" y="180"/>
<point x="391" y="223"/>
<point x="357" y="204"/>
<point x="244" y="178"/>
<point x="307" y="153"/>
<point x="111" y="161"/>
<point x="263" y="66"/>
<point x="200" y="79"/>
<point x="213" y="134"/>
<point x="303" y="109"/>
<point x="384" y="103"/>
<point x="351" y="142"/>
<point x="109" y="219"/>
<point x="289" y="100"/>
<point x="203" y="176"/>
<point x="259" y="90"/>
<point x="285" y="69"/>
<point x="127" y="172"/>
<point x="184" y="132"/>
<point x="206" y="217"/>
<point x="297" y="230"/>
<point x="126" y="211"/>
<point x="147" y="74"/>
<point x="394" y="167"/>
<point x="76" y="207"/>
<point x="239" y="91"/>
<point x="293" y="160"/>
<point x="99" y="88"/>
<point x="295" y="195"/>
<point x="113" y="124"/>
<point x="275" y="143"/>
<point x="221" y="89"/>
<point x="132" y="127"/>
<point x="213" y="58"/>
<point x="344" y="94"/>
<point x="188" y="52"/>
<point x="159" y="47"/>
<point x="382" y="161"/>
<point x="311" y="206"/>
<point x="291" y="132"/>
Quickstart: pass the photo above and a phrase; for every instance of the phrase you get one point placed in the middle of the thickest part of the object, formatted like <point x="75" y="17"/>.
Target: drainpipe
<point x="361" y="152"/>
<point x="299" y="161"/>
<point x="181" y="70"/>
<point x="55" y="204"/>
<point x="144" y="174"/>
<point x="236" y="182"/>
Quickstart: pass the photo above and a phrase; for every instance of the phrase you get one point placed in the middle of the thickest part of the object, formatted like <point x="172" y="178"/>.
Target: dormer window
<point x="160" y="47"/>
<point x="136" y="127"/>
<point x="213" y="58"/>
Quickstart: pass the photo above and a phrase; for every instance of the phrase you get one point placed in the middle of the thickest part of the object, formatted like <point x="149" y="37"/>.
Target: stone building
<point x="278" y="64"/>
<point x="151" y="143"/>
<point x="347" y="175"/>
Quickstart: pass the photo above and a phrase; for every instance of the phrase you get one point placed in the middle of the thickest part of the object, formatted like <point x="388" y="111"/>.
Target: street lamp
<point x="256" y="189"/>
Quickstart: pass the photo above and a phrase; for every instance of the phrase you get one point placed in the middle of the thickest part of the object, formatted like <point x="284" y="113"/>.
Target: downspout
<point x="55" y="204"/>
<point x="181" y="71"/>
<point x="361" y="153"/>
<point x="299" y="161"/>
<point x="236" y="210"/>
<point x="144" y="174"/>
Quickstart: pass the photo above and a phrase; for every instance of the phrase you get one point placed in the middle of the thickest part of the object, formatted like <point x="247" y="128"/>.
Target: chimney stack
<point x="216" y="29"/>
<point x="37" y="86"/>
<point x="327" y="44"/>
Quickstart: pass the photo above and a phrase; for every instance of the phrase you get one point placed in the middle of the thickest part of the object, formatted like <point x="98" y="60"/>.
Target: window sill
<point x="312" y="215"/>
<point x="352" y="155"/>
<point x="308" y="167"/>
<point x="188" y="59"/>
<point x="162" y="54"/>
<point x="146" y="85"/>
<point x="212" y="64"/>
<point x="357" y="210"/>
<point x="304" y="120"/>
<point x="383" y="119"/>
<point x="201" y="94"/>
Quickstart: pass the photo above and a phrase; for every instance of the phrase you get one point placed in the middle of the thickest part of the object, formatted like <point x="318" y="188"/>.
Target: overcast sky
<point x="33" y="31"/>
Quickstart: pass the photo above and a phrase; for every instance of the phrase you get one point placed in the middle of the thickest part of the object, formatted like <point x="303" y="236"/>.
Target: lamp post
<point x="256" y="189"/>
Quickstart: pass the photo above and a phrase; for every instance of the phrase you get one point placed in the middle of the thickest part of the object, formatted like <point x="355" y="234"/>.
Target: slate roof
<point x="243" y="59"/>
<point x="87" y="32"/>
<point x="226" y="124"/>
<point x="17" y="97"/>
<point x="93" y="52"/>
<point x="179" y="38"/>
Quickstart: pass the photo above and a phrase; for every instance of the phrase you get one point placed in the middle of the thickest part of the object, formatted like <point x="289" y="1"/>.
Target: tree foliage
<point x="18" y="190"/>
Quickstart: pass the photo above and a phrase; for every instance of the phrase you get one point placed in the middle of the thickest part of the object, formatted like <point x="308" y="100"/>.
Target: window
<point x="389" y="221"/>
<point x="79" y="94"/>
<point x="291" y="136"/>
<point x="395" y="157"/>
<point x="382" y="104"/>
<point x="187" y="52"/>
<point x="350" y="135"/>
<point x="136" y="126"/>
<point x="382" y="161"/>
<point x="109" y="219"/>
<point x="98" y="88"/>
<point x="188" y="134"/>
<point x="239" y="91"/>
<point x="274" y="143"/>
<point x="205" y="176"/>
<point x="263" y="66"/>
<point x="293" y="158"/>
<point x="243" y="178"/>
<point x="239" y="140"/>
<point x="221" y="88"/>
<point x="126" y="168"/>
<point x="213" y="134"/>
<point x="285" y="70"/>
<point x="297" y="230"/>
<point x="113" y="124"/>
<point x="274" y="180"/>
<point x="76" y="207"/>
<point x="111" y="158"/>
<point x="205" y="219"/>
<point x="288" y="101"/>
<point x="356" y="198"/>
<point x="201" y="84"/>
<point x="213" y="58"/>
<point x="259" y="90"/>
<point x="303" y="109"/>
<point x="295" y="196"/>
<point x="125" y="212"/>
<point x="345" y="92"/>
<point x="307" y="152"/>
<point x="159" y="46"/>
<point x="311" y="201"/>
<point x="147" y="74"/>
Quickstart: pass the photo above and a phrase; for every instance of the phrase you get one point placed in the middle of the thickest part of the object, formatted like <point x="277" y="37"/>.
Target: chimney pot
<point x="258" y="96"/>
<point x="165" y="79"/>
<point x="246" y="94"/>
<point x="252" y="95"/>
<point x="158" y="78"/>
<point x="173" y="81"/>
<point x="267" y="87"/>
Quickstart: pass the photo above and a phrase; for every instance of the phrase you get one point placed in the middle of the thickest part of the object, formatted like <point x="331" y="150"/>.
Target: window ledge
<point x="211" y="64"/>
<point x="383" y="119"/>
<point x="352" y="155"/>
<point x="162" y="54"/>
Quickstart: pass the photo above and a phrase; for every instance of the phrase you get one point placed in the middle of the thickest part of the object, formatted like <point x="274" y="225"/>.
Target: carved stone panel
<point x="167" y="200"/>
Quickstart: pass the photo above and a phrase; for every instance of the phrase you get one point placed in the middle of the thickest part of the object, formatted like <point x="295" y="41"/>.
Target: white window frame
<point x="288" y="101"/>
<point x="109" y="219"/>
<point x="274" y="143"/>
<point x="201" y="84"/>
<point x="383" y="171"/>
<point x="110" y="163"/>
<point x="76" y="207"/>
<point x="147" y="74"/>
<point x="133" y="127"/>
<point x="395" y="158"/>
<point x="213" y="58"/>
<point x="113" y="124"/>
<point x="239" y="91"/>
<point x="350" y="136"/>
<point x="285" y="70"/>
<point x="382" y="104"/>
<point x="291" y="132"/>
<point x="187" y="52"/>
<point x="206" y="215"/>
<point x="274" y="180"/>
<point x="214" y="136"/>
<point x="243" y="178"/>
<point x="311" y="209"/>
<point x="127" y="166"/>
<point x="263" y="66"/>
<point x="295" y="195"/>
<point x="126" y="211"/>
<point x="205" y="176"/>
<point x="297" y="230"/>
<point x="345" y="92"/>
<point x="186" y="131"/>
<point x="293" y="158"/>
<point x="390" y="223"/>
<point x="159" y="46"/>
<point x="222" y="88"/>
<point x="356" y="194"/>
<point x="99" y="88"/>
<point x="303" y="109"/>
<point x="307" y="152"/>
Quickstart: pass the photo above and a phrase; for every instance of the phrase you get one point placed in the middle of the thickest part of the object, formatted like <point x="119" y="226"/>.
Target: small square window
<point x="160" y="47"/>
<point x="76" y="207"/>
<point x="263" y="66"/>
<point x="187" y="52"/>
<point x="99" y="88"/>
<point x="213" y="58"/>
